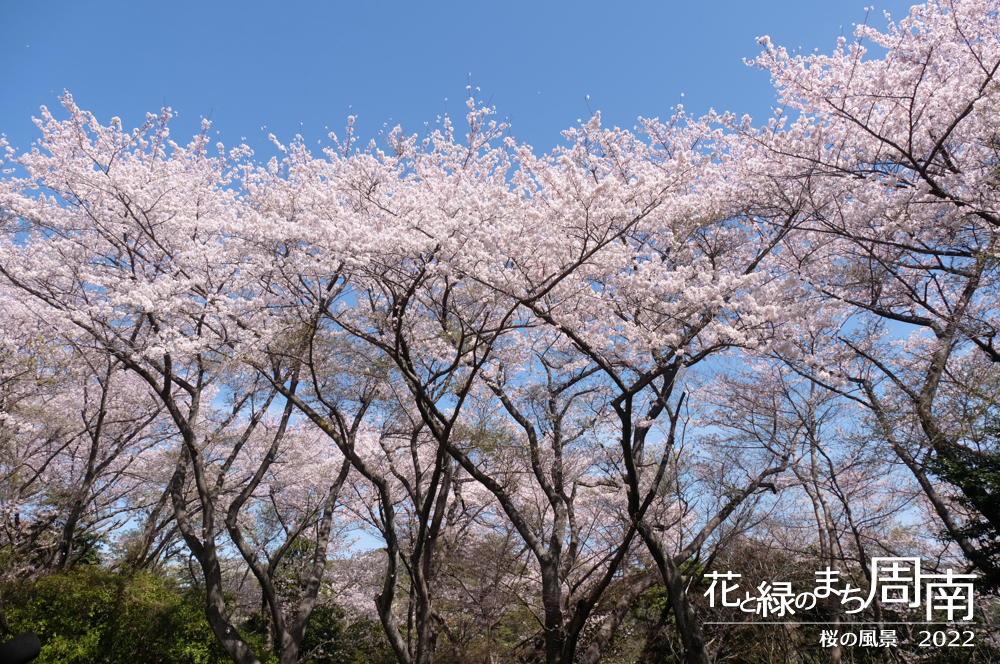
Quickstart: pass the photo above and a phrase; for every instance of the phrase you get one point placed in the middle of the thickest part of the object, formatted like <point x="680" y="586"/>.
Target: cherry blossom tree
<point x="656" y="270"/>
<point x="129" y="257"/>
<point x="889" y="171"/>
<point x="76" y="430"/>
<point x="319" y="256"/>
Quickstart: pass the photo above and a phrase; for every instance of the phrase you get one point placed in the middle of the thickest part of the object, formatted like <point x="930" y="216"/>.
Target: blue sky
<point x="303" y="66"/>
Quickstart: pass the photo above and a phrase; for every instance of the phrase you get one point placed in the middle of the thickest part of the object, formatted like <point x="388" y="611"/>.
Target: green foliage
<point x="89" y="615"/>
<point x="334" y="640"/>
<point x="977" y="474"/>
<point x="330" y="639"/>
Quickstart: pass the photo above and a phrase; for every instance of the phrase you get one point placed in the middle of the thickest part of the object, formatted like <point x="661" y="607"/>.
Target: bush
<point x="89" y="615"/>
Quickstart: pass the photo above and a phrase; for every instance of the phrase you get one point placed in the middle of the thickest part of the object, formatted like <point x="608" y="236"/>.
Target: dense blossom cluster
<point x="548" y="384"/>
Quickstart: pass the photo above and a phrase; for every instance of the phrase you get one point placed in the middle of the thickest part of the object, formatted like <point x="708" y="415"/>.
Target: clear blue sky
<point x="310" y="64"/>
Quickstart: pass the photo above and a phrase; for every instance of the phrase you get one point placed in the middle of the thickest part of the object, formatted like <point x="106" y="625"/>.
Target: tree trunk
<point x="688" y="625"/>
